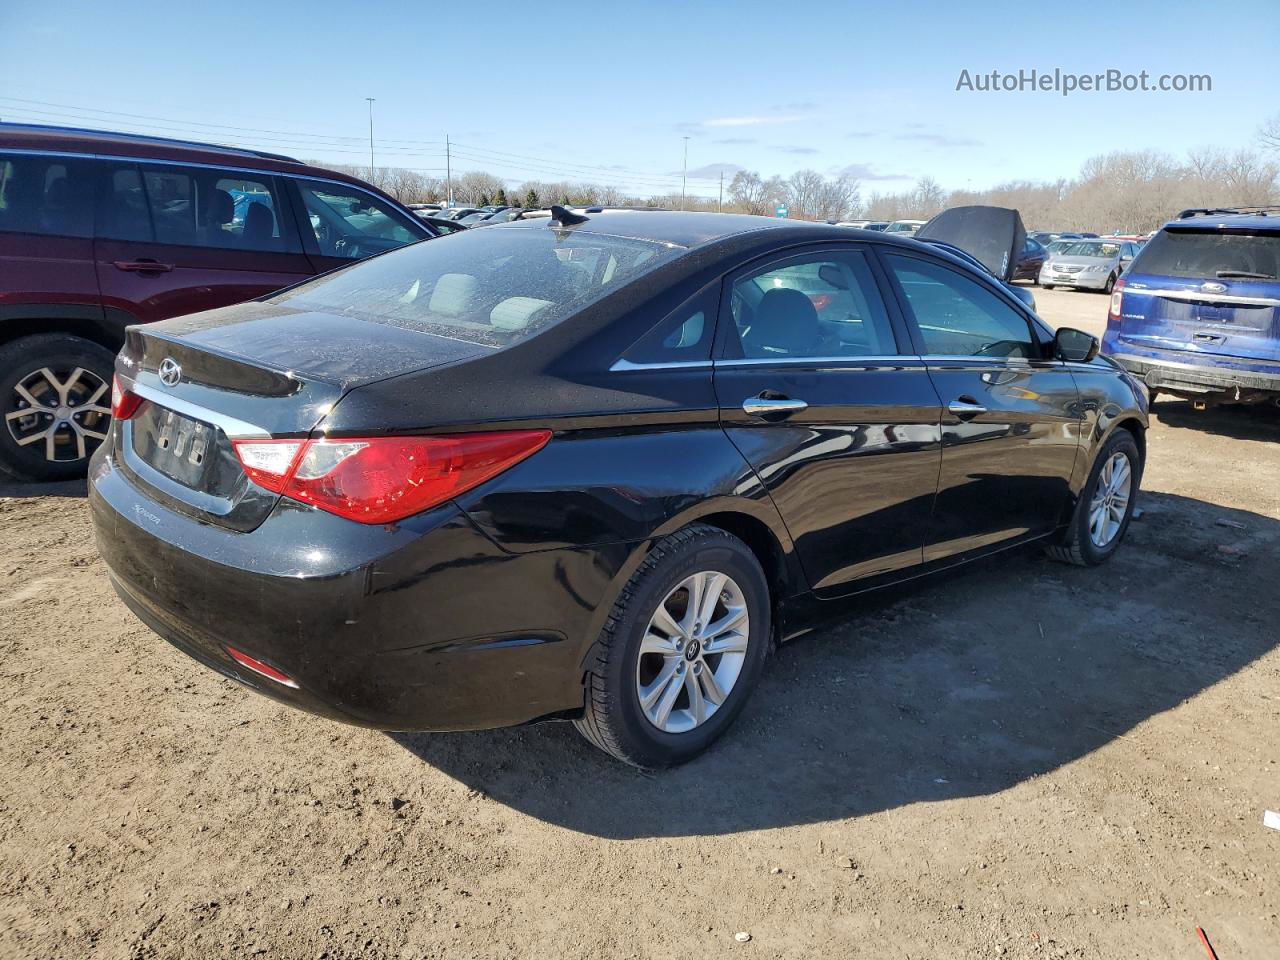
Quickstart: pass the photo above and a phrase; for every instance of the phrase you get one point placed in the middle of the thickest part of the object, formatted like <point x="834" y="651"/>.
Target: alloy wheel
<point x="1110" y="500"/>
<point x="692" y="652"/>
<point x="63" y="410"/>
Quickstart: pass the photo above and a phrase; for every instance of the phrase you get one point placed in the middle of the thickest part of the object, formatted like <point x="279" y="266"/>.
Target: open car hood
<point x="992" y="235"/>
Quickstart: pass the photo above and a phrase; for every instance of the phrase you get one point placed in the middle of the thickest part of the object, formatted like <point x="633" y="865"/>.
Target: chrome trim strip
<point x="1196" y="295"/>
<point x="621" y="364"/>
<point x="233" y="428"/>
<point x="817" y="361"/>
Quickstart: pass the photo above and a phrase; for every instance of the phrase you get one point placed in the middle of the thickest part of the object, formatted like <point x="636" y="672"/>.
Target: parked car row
<point x="100" y="230"/>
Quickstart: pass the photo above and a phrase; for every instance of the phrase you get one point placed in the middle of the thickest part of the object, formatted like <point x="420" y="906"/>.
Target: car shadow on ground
<point x="960" y="685"/>
<point x="1237" y="421"/>
<point x="14" y="490"/>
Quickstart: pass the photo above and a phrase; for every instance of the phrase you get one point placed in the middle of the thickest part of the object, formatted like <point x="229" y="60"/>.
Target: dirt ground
<point x="1024" y="760"/>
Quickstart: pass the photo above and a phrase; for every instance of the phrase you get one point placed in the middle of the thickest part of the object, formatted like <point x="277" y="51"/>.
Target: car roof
<point x="691" y="229"/>
<point x="1254" y="222"/>
<point x="34" y="136"/>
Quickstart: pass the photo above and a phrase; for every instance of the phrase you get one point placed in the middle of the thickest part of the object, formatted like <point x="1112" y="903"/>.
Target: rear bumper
<point x="1199" y="381"/>
<point x="424" y="625"/>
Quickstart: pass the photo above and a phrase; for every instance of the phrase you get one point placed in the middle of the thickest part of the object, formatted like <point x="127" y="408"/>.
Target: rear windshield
<point x="492" y="287"/>
<point x="1089" y="248"/>
<point x="1189" y="253"/>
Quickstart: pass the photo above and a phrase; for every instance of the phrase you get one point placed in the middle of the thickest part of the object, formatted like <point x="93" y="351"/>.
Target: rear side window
<point x="684" y="336"/>
<point x="195" y="206"/>
<point x="494" y="286"/>
<point x="819" y="305"/>
<point x="46" y="195"/>
<point x="957" y="316"/>
<point x="1205" y="254"/>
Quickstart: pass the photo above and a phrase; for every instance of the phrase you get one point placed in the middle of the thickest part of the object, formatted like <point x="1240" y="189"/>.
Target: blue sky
<point x="606" y="91"/>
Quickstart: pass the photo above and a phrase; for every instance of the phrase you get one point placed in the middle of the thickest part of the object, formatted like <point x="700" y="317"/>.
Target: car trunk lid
<point x="993" y="235"/>
<point x="247" y="372"/>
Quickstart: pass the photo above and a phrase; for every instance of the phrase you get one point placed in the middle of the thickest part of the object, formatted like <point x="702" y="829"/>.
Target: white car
<point x="904" y="228"/>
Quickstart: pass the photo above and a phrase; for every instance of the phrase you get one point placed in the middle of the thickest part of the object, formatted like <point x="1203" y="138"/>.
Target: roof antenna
<point x="565" y="217"/>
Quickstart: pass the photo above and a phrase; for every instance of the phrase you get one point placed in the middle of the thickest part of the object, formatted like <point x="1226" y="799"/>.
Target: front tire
<point x="55" y="397"/>
<point x="1111" y="284"/>
<point x="682" y="649"/>
<point x="1047" y="286"/>
<point x="1105" y="506"/>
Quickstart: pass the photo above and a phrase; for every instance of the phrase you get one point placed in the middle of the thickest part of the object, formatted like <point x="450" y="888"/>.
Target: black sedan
<point x="592" y="467"/>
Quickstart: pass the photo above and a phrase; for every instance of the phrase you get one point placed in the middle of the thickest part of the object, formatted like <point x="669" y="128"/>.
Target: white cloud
<point x="747" y="121"/>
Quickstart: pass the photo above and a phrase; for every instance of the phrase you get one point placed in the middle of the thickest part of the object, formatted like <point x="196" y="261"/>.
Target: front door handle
<point x="142" y="266"/>
<point x="965" y="408"/>
<point x="772" y="406"/>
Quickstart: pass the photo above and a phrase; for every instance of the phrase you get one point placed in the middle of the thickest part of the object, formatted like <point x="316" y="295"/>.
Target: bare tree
<point x="1269" y="132"/>
<point x="472" y="187"/>
<point x="802" y="190"/>
<point x="752" y="194"/>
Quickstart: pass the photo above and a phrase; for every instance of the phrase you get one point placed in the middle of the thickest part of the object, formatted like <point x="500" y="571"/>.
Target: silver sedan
<point x="1088" y="264"/>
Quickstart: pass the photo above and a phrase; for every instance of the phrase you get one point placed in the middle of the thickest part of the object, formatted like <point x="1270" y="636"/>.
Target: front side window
<point x="52" y="196"/>
<point x="350" y="223"/>
<point x="822" y="305"/>
<point x="957" y="316"/>
<point x="492" y="287"/>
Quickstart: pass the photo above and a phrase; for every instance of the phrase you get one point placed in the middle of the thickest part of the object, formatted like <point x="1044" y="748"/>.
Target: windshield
<point x="489" y="287"/>
<point x="1188" y="253"/>
<point x="1090" y="248"/>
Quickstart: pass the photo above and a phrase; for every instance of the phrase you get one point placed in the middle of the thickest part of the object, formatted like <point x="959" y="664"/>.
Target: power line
<point x="617" y="176"/>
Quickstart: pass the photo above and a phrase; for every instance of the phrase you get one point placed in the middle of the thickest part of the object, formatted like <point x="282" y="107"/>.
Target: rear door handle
<point x="142" y="266"/>
<point x="772" y="406"/>
<point x="965" y="408"/>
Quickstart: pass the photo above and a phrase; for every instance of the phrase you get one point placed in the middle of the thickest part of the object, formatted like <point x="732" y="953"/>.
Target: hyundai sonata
<point x="594" y="467"/>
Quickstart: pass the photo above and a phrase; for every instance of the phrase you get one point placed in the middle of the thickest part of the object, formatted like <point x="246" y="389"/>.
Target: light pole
<point x="684" y="174"/>
<point x="370" y="99"/>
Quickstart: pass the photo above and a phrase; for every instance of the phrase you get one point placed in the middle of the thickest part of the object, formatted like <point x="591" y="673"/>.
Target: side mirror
<point x="1075" y="346"/>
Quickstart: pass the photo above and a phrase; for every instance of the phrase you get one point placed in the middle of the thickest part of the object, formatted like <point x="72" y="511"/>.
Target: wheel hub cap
<point x="692" y="652"/>
<point x="1110" y="503"/>
<point x="62" y="413"/>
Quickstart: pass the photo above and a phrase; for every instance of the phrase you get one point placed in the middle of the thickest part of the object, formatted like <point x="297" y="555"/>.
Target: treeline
<point x="1122" y="192"/>
<point x="1125" y="191"/>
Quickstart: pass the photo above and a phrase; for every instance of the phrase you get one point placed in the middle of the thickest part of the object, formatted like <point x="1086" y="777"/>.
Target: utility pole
<point x="720" y="202"/>
<point x="684" y="174"/>
<point x="448" y="169"/>
<point x="371" y="174"/>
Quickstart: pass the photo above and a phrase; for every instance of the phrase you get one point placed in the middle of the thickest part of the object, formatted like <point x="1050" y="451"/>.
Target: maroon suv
<point x="101" y="230"/>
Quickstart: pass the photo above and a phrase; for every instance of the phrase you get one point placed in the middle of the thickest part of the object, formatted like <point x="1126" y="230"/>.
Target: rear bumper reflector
<point x="258" y="667"/>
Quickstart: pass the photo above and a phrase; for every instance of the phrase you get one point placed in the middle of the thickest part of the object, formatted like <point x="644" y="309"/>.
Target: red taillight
<point x="123" y="403"/>
<point x="820" y="300"/>
<point x="383" y="479"/>
<point x="257" y="666"/>
<point x="1117" y="301"/>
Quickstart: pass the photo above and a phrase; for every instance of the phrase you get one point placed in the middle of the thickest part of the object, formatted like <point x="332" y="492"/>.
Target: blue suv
<point x="1197" y="314"/>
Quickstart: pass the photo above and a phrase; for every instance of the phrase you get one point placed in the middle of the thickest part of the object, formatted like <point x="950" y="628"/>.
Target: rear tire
<point x="1081" y="543"/>
<point x="1047" y="286"/>
<point x="640" y="646"/>
<point x="69" y="380"/>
